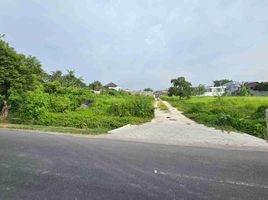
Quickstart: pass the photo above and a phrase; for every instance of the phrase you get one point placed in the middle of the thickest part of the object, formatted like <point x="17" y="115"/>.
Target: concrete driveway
<point x="174" y="128"/>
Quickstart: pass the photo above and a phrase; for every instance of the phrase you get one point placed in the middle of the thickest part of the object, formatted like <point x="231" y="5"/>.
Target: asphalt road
<point x="37" y="166"/>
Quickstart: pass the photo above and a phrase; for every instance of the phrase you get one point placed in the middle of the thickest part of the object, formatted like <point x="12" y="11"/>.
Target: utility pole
<point x="266" y="112"/>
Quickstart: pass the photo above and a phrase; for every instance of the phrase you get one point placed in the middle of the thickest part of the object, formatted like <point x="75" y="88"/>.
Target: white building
<point x="215" y="91"/>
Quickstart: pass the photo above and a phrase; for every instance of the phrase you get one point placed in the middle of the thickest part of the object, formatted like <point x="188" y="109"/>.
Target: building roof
<point x="111" y="85"/>
<point x="252" y="85"/>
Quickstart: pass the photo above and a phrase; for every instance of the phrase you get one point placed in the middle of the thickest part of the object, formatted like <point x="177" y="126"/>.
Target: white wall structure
<point x="115" y="88"/>
<point x="215" y="91"/>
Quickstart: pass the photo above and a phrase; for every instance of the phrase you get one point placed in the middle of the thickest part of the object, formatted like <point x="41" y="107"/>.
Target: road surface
<point x="39" y="166"/>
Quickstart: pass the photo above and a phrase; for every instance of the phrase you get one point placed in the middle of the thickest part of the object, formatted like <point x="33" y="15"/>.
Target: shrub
<point x="86" y="120"/>
<point x="35" y="104"/>
<point x="59" y="103"/>
<point x="138" y="106"/>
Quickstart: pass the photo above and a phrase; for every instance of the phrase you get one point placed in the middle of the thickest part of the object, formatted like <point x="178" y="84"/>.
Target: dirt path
<point x="174" y="128"/>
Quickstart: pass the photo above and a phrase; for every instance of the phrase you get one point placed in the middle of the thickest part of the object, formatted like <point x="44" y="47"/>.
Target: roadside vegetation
<point x="245" y="114"/>
<point x="162" y="106"/>
<point x="33" y="99"/>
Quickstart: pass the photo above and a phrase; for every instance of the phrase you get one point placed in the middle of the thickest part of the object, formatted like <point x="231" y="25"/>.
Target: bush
<point x="131" y="105"/>
<point x="60" y="106"/>
<point x="86" y="120"/>
<point x="34" y="104"/>
<point x="59" y="103"/>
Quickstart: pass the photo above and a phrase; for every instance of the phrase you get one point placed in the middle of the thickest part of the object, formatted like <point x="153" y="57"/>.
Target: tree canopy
<point x="17" y="71"/>
<point x="218" y="83"/>
<point x="67" y="80"/>
<point x="95" y="85"/>
<point x="263" y="86"/>
<point x="199" y="90"/>
<point x="148" y="90"/>
<point x="181" y="88"/>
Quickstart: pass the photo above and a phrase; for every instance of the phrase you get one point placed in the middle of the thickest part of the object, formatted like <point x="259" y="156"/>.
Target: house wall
<point x="214" y="91"/>
<point x="146" y="93"/>
<point x="115" y="88"/>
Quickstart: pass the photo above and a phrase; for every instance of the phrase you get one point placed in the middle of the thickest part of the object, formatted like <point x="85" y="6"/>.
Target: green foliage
<point x="59" y="103"/>
<point x="95" y="85"/>
<point x="17" y="72"/>
<point x="61" y="108"/>
<point x="52" y="87"/>
<point x="263" y="86"/>
<point x="246" y="114"/>
<point x="148" y="90"/>
<point x="181" y="88"/>
<point x="34" y="104"/>
<point x="106" y="112"/>
<point x="66" y="80"/>
<point x="243" y="91"/>
<point x="218" y="83"/>
<point x="199" y="90"/>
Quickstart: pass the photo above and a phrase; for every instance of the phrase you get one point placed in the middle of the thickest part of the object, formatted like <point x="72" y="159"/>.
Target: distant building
<point x="112" y="86"/>
<point x="251" y="85"/>
<point x="141" y="92"/>
<point x="158" y="93"/>
<point x="232" y="88"/>
<point x="257" y="89"/>
<point x="215" y="91"/>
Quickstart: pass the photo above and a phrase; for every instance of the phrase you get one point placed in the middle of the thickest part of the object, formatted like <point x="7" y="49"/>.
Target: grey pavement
<point x="174" y="128"/>
<point x="39" y="166"/>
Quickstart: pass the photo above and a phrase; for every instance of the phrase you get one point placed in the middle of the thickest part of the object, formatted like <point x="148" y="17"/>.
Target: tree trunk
<point x="5" y="109"/>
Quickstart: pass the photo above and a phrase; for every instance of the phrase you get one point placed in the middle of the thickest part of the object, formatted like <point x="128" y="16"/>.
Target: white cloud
<point x="143" y="43"/>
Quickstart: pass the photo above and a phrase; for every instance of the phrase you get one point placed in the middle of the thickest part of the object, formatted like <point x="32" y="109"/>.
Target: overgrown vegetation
<point x="245" y="114"/>
<point x="162" y="106"/>
<point x="30" y="96"/>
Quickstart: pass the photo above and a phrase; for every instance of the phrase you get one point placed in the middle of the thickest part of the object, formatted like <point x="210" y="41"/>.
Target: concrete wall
<point x="258" y="93"/>
<point x="146" y="93"/>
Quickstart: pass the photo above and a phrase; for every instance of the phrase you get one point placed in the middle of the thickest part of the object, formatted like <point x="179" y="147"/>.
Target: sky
<point x="142" y="43"/>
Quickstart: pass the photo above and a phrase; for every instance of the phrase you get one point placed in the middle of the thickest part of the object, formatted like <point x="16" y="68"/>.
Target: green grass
<point x="59" y="129"/>
<point x="162" y="106"/>
<point x="245" y="114"/>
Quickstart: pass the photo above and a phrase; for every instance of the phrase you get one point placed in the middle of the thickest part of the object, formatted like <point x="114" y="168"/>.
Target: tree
<point x="263" y="86"/>
<point x="70" y="80"/>
<point x="243" y="91"/>
<point x="199" y="90"/>
<point x="95" y="85"/>
<point x="181" y="88"/>
<point x="56" y="76"/>
<point x="148" y="90"/>
<point x="17" y="72"/>
<point x="218" y="83"/>
<point x="66" y="80"/>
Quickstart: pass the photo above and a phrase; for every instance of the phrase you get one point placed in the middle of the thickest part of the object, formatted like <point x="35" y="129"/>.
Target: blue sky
<point x="143" y="43"/>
